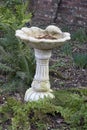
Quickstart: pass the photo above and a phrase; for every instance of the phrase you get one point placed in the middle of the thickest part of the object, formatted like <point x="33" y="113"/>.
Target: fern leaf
<point x="5" y="68"/>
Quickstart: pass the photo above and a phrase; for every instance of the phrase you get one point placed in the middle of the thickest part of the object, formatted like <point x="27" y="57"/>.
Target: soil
<point x="70" y="77"/>
<point x="66" y="74"/>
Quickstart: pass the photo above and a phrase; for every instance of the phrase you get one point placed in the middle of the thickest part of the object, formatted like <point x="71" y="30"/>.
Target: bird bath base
<point x="40" y="86"/>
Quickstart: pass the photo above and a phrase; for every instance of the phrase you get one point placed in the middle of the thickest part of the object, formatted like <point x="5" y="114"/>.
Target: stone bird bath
<point x="43" y="41"/>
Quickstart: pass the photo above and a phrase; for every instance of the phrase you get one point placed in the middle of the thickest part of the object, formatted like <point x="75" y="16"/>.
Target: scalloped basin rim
<point x="63" y="39"/>
<point x="21" y="35"/>
<point x="36" y="37"/>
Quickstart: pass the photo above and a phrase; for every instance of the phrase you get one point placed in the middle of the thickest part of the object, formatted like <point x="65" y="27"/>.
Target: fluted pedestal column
<point x="40" y="86"/>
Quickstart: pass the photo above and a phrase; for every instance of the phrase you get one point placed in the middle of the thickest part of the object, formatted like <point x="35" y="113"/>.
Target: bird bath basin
<point x="43" y="41"/>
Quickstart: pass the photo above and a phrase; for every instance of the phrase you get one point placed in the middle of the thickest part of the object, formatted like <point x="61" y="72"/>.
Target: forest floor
<point x="65" y="73"/>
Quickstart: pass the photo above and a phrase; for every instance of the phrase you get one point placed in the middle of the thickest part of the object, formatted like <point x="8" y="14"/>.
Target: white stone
<point x="35" y="37"/>
<point x="32" y="37"/>
<point x="40" y="85"/>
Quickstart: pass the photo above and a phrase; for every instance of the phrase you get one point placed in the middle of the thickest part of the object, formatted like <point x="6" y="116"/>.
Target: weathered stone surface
<point x="43" y="41"/>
